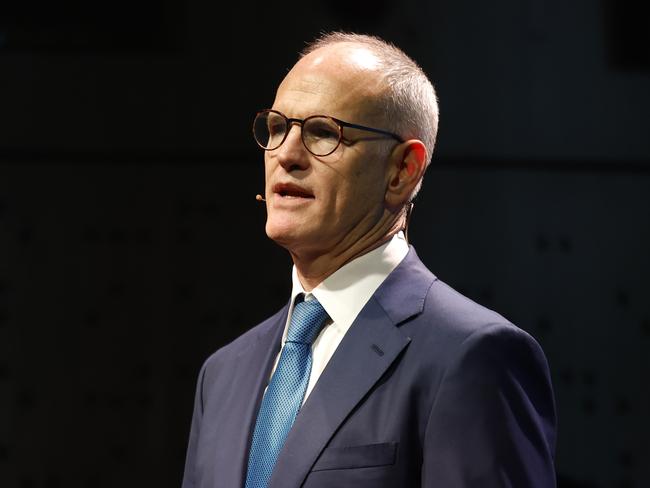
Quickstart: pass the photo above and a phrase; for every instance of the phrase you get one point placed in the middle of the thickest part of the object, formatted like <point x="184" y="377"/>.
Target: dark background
<point x="131" y="242"/>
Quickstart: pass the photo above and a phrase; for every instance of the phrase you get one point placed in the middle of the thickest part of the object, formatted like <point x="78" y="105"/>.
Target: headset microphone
<point x="259" y="198"/>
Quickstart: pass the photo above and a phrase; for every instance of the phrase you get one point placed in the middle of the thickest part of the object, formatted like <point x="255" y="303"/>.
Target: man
<point x="375" y="374"/>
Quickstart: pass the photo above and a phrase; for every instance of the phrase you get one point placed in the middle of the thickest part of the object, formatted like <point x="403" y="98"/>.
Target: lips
<point x="291" y="190"/>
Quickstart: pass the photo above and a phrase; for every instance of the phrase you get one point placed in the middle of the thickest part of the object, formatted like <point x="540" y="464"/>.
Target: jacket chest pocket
<point x="366" y="456"/>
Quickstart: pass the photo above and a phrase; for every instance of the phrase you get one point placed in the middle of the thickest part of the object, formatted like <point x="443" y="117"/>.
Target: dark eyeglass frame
<point x="340" y="123"/>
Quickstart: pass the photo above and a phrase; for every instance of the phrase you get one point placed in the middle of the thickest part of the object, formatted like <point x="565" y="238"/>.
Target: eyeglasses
<point x="320" y="134"/>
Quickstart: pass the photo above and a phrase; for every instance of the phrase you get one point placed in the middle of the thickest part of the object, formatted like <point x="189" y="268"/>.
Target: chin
<point x="294" y="238"/>
<point x="282" y="234"/>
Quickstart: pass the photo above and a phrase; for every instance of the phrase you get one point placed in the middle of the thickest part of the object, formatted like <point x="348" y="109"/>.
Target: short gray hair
<point x="410" y="102"/>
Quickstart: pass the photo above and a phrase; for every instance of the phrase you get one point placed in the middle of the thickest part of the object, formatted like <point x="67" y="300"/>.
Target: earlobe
<point x="409" y="167"/>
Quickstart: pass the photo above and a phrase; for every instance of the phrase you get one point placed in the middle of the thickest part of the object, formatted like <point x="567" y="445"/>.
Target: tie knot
<point x="306" y="321"/>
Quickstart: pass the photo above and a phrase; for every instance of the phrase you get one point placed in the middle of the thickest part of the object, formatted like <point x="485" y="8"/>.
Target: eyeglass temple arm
<point x="409" y="212"/>
<point x="370" y="129"/>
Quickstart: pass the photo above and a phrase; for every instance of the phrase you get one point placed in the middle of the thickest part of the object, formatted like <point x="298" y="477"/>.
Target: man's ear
<point x="407" y="165"/>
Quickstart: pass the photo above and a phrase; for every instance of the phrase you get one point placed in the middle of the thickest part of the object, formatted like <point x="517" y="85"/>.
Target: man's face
<point x="318" y="205"/>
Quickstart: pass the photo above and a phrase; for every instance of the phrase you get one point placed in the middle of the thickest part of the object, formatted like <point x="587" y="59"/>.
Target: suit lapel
<point x="251" y="376"/>
<point x="370" y="346"/>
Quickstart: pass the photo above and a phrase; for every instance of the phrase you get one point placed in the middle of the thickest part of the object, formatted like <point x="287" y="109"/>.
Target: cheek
<point x="367" y="182"/>
<point x="359" y="194"/>
<point x="267" y="166"/>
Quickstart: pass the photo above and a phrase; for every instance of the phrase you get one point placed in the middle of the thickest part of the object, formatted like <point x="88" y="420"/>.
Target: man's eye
<point x="323" y="131"/>
<point x="276" y="128"/>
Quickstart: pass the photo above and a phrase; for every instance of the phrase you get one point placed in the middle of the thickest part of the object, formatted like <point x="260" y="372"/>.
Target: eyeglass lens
<point x="320" y="134"/>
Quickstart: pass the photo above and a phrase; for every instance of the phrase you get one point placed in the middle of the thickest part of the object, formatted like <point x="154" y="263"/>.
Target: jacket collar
<point x="371" y="345"/>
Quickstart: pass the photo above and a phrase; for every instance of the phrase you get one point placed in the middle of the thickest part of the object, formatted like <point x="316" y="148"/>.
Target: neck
<point x="313" y="269"/>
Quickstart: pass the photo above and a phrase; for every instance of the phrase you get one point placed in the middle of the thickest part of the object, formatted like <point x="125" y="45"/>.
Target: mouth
<point x="289" y="190"/>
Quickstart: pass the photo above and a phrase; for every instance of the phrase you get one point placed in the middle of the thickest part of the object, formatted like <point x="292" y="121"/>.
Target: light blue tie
<point x="285" y="392"/>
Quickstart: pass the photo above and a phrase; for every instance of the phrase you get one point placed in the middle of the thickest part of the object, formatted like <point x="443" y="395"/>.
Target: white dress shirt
<point x="343" y="294"/>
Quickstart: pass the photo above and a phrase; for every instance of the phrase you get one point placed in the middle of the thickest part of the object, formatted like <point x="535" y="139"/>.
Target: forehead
<point x="343" y="81"/>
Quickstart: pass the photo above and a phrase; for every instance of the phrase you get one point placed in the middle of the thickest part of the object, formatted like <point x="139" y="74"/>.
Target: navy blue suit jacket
<point x="427" y="388"/>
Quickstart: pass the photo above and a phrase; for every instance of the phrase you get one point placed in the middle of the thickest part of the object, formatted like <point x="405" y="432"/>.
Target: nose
<point x="292" y="154"/>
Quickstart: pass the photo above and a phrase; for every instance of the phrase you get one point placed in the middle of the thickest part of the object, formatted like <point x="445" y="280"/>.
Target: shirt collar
<point x="344" y="293"/>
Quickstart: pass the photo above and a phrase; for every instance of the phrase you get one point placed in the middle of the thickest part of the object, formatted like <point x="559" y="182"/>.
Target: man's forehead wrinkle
<point x="318" y="89"/>
<point x="295" y="93"/>
<point x="312" y="84"/>
<point x="305" y="87"/>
